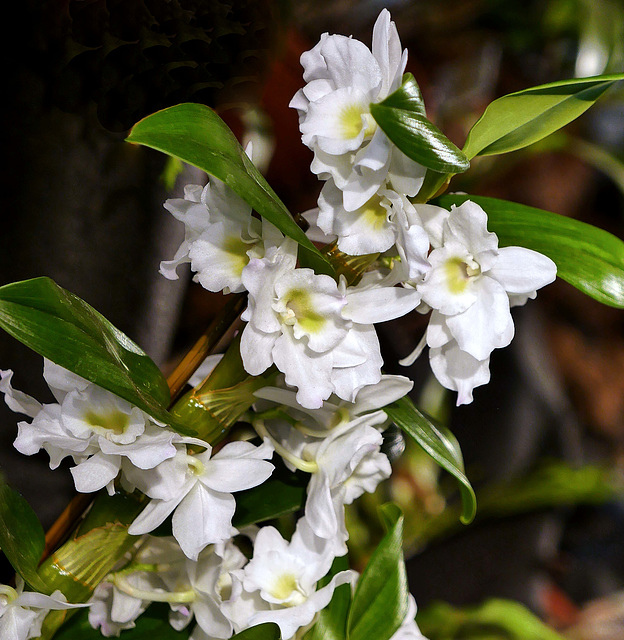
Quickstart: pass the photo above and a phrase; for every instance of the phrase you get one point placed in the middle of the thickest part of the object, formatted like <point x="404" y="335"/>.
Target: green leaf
<point x="283" y="493"/>
<point x="266" y="631"/>
<point x="522" y="118"/>
<point x="21" y="536"/>
<point x="195" y="134"/>
<point x="380" y="601"/>
<point x="495" y="619"/>
<point x="63" y="328"/>
<point x="151" y="625"/>
<point x="332" y="620"/>
<point x="402" y="118"/>
<point x="589" y="258"/>
<point x="439" y="443"/>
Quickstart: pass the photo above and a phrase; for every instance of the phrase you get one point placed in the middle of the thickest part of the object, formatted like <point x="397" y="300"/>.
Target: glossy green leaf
<point x="151" y="625"/>
<point x="407" y="97"/>
<point x="21" y="536"/>
<point x="402" y="118"/>
<point x="195" y="134"/>
<point x="380" y="601"/>
<point x="63" y="328"/>
<point x="495" y="619"/>
<point x="266" y="631"/>
<point x="524" y="117"/>
<point x="283" y="493"/>
<point x="331" y="623"/>
<point x="439" y="443"/>
<point x="589" y="258"/>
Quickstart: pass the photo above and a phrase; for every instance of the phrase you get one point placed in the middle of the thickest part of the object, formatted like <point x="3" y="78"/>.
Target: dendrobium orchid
<point x="198" y="489"/>
<point x="22" y="612"/>
<point x="470" y="287"/>
<point x="319" y="333"/>
<point x="279" y="584"/>
<point x="343" y="78"/>
<point x="103" y="433"/>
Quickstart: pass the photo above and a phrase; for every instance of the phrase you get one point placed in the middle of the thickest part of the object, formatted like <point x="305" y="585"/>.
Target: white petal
<point x="487" y="324"/>
<point x="304" y="369"/>
<point x="459" y="371"/>
<point x="256" y="348"/>
<point x="380" y="305"/>
<point x="17" y="400"/>
<point x="386" y="48"/>
<point x="405" y="175"/>
<point x="154" y="514"/>
<point x="387" y="390"/>
<point x="522" y="271"/>
<point x="204" y="517"/>
<point x="319" y="510"/>
<point x="351" y="64"/>
<point x="468" y="225"/>
<point x="96" y="472"/>
<point x="235" y="474"/>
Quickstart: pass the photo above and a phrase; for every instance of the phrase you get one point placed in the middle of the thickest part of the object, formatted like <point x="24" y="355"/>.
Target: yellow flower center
<point x="237" y="254"/>
<point x="287" y="589"/>
<point x="298" y="303"/>
<point x="374" y="213"/>
<point x="351" y="122"/>
<point x="459" y="272"/>
<point x="115" y="422"/>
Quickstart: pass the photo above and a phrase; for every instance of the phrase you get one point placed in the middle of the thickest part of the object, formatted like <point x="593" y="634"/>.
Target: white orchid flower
<point x="22" y="612"/>
<point x="221" y="235"/>
<point x="198" y="489"/>
<point x="318" y="333"/>
<point x="103" y="433"/>
<point x="471" y="285"/>
<point x="279" y="582"/>
<point x="343" y="78"/>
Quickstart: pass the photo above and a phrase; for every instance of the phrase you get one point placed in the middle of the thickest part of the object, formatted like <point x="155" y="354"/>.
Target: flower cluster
<point x="322" y="412"/>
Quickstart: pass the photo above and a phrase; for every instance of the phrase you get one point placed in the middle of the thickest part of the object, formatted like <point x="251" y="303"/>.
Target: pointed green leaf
<point x="331" y="623"/>
<point x="589" y="258"/>
<point x="439" y="443"/>
<point x="524" y="117"/>
<point x="21" y="536"/>
<point x="380" y="601"/>
<point x="195" y="134"/>
<point x="402" y="118"/>
<point x="65" y="329"/>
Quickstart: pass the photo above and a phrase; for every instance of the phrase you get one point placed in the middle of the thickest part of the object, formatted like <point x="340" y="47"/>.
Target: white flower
<point x="335" y="411"/>
<point x="22" y="612"/>
<point x="198" y="489"/>
<point x="471" y="285"/>
<point x="343" y="78"/>
<point x="100" y="431"/>
<point x="279" y="582"/>
<point x="318" y="333"/>
<point x="386" y="219"/>
<point x="112" y="611"/>
<point x="221" y="236"/>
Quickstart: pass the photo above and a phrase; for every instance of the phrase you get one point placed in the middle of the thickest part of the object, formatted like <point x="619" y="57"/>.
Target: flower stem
<point x="308" y="466"/>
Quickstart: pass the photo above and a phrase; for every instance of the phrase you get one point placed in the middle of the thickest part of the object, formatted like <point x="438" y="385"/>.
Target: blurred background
<point x="543" y="442"/>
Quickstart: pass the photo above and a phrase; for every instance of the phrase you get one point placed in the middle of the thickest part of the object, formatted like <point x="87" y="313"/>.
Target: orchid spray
<point x="187" y="485"/>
